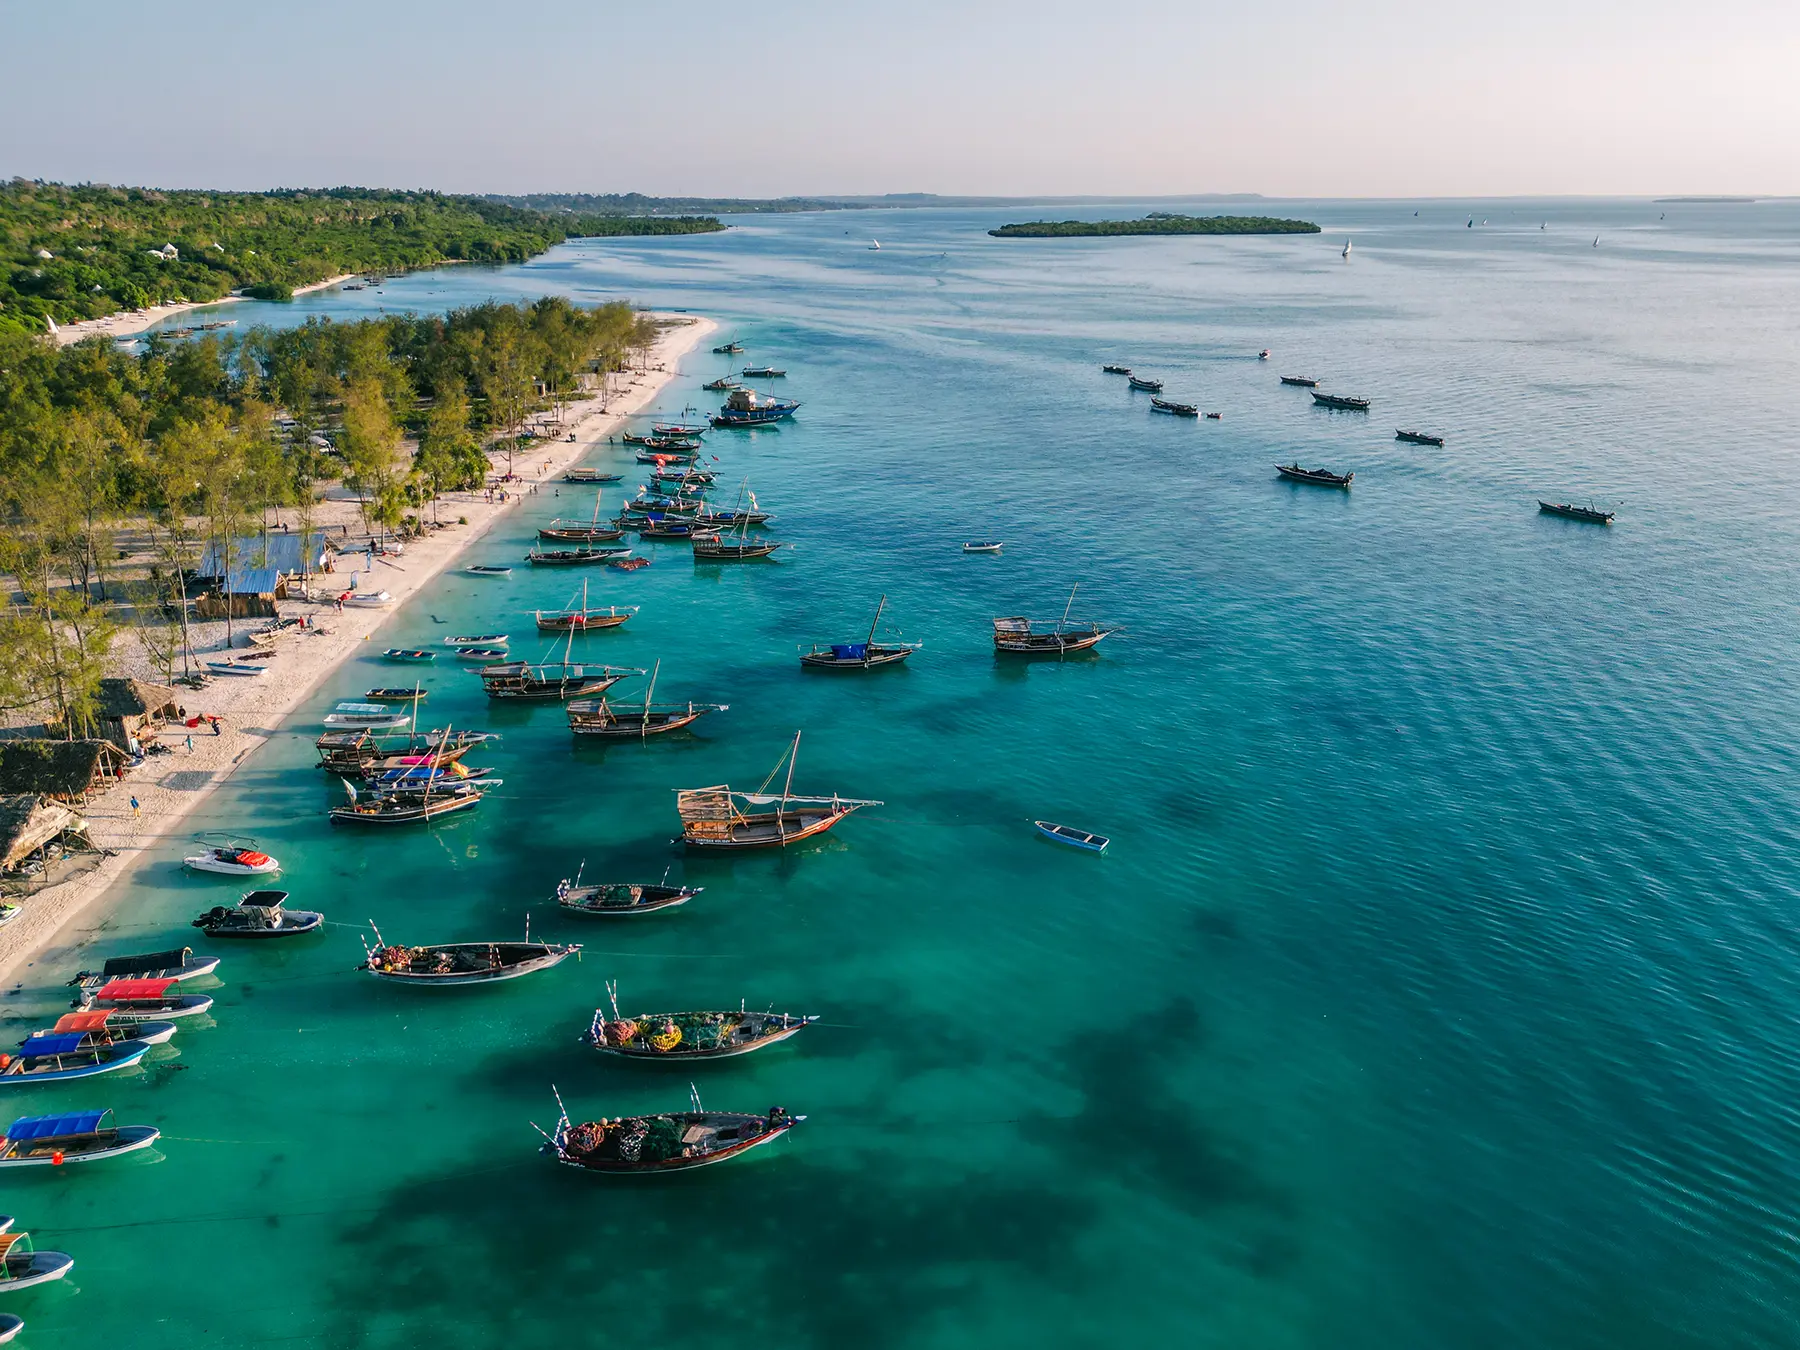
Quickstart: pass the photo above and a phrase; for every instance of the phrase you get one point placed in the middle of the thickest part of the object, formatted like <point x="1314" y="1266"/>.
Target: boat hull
<point x="605" y="1167"/>
<point x="769" y="830"/>
<point x="130" y="1138"/>
<point x="679" y="1055"/>
<point x="461" y="978"/>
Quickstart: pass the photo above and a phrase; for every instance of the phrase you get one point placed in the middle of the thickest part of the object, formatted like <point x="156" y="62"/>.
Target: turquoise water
<point x="1438" y="987"/>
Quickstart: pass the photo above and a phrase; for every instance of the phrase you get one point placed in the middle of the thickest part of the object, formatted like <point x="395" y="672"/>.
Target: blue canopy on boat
<point x="55" y="1127"/>
<point x="53" y="1044"/>
<point x="850" y="651"/>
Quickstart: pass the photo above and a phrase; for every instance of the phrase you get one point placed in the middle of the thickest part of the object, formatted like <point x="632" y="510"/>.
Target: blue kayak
<point x="1066" y="834"/>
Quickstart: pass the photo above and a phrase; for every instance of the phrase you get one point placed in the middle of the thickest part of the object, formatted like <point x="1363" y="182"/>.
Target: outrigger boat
<point x="1570" y="511"/>
<point x="477" y="640"/>
<point x="22" y="1266"/>
<point x="589" y="476"/>
<point x="581" y="531"/>
<point x="1019" y="636"/>
<point x="1163" y="405"/>
<point x="672" y="1142"/>
<point x="571" y="557"/>
<point x="1067" y="834"/>
<point x="458" y="963"/>
<point x="562" y="680"/>
<point x="74" y="1137"/>
<point x="59" y="1058"/>
<point x="232" y="860"/>
<point x="1318" y="477"/>
<point x="747" y="408"/>
<point x="620" y="897"/>
<point x="1340" y="402"/>
<point x="682" y="1037"/>
<point x="366" y="716"/>
<point x="1302" y="381"/>
<point x="1116" y="370"/>
<point x="260" y="914"/>
<point x="1148" y="386"/>
<point x="1418" y="437"/>
<point x="144" y="999"/>
<point x="712" y="818"/>
<point x="864" y="655"/>
<point x="598" y="717"/>
<point x="582" y="619"/>
<point x="395" y="695"/>
<point x="178" y="964"/>
<point x="103" y="1027"/>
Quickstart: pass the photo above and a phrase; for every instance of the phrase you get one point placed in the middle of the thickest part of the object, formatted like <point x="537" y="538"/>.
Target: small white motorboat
<point x="371" y="716"/>
<point x="984" y="546"/>
<point x="76" y="1137"/>
<point x="249" y="668"/>
<point x="232" y="860"/>
<point x="21" y="1266"/>
<point x="369" y="599"/>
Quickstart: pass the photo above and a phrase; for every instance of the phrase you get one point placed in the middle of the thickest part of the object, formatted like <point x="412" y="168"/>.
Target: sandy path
<point x="168" y="787"/>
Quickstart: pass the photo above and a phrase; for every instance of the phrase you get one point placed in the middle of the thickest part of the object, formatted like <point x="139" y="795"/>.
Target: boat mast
<point x="1066" y="608"/>
<point x="787" y="788"/>
<point x="873" y="622"/>
<point x="644" y="730"/>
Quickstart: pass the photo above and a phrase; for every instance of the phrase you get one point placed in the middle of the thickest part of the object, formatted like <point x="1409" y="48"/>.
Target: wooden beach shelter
<point x="135" y="710"/>
<point x="64" y="771"/>
<point x="35" y="835"/>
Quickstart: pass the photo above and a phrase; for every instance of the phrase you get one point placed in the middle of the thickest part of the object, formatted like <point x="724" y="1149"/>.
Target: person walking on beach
<point x="136" y="810"/>
<point x="214" y="723"/>
<point x="190" y="743"/>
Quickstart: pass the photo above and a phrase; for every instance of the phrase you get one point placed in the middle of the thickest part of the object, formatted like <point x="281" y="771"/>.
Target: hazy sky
<point x="771" y="97"/>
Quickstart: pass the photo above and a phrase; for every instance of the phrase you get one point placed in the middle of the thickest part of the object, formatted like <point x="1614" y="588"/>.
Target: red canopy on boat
<point x="126" y="989"/>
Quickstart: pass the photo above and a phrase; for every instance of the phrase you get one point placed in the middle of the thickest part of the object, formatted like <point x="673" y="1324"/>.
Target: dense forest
<point x="1158" y="222"/>
<point x="70" y="253"/>
<point x="636" y="204"/>
<point x="188" y="443"/>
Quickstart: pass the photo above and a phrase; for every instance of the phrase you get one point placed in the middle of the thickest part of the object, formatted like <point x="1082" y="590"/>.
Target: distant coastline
<point x="1704" y="201"/>
<point x="1158" y="222"/>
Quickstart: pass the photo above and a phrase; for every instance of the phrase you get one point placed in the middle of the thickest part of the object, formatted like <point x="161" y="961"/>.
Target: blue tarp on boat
<point x="53" y="1044"/>
<point x="55" y="1127"/>
<point x="850" y="651"/>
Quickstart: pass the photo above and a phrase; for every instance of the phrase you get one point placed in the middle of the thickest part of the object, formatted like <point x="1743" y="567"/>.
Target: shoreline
<point x="253" y="711"/>
<point x="128" y="322"/>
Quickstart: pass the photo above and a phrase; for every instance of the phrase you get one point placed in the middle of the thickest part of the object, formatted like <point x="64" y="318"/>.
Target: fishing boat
<point x="1264" y="354"/>
<point x="729" y="520"/>
<point x="365" y="717"/>
<point x="461" y="963"/>
<point x="589" y="531"/>
<point x="260" y="914"/>
<point x="22" y="1266"/>
<point x="684" y="1037"/>
<point x="1214" y="417"/>
<point x="73" y="1137"/>
<point x="410" y="656"/>
<point x="485" y="570"/>
<point x="676" y="444"/>
<point x="686" y="477"/>
<point x="1418" y="437"/>
<point x="477" y="640"/>
<point x="562" y="680"/>
<point x="240" y="668"/>
<point x="588" y="476"/>
<point x="747" y="408"/>
<point x="666" y="457"/>
<point x="1164" y="405"/>
<point x="984" y="546"/>
<point x="1303" y="381"/>
<point x="103" y="1027"/>
<point x="627" y="563"/>
<point x="620" y="897"/>
<point x="1317" y="477"/>
<point x="1570" y="511"/>
<point x="679" y="429"/>
<point x="672" y="1142"/>
<point x="864" y="655"/>
<point x="582" y="618"/>
<point x="571" y="557"/>
<point x="408" y="807"/>
<point x="8" y="913"/>
<point x="599" y="717"/>
<point x="395" y="695"/>
<point x="731" y="348"/>
<point x="718" y="818"/>
<point x="157" y="999"/>
<point x="177" y="964"/>
<point x="723" y="385"/>
<point x="660" y="504"/>
<point x="657" y="526"/>
<point x="1019" y="636"/>
<point x="1116" y="370"/>
<point x="486" y="655"/>
<point x="1346" y="248"/>
<point x="61" y="1058"/>
<point x="1148" y="386"/>
<point x="360" y="752"/>
<point x="1068" y="834"/>
<point x="232" y="860"/>
<point x="762" y="373"/>
<point x="712" y="546"/>
<point x="368" y="599"/>
<point x="1340" y="402"/>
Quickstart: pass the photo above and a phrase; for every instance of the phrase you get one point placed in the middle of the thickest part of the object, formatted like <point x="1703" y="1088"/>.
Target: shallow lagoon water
<point x="1439" y="983"/>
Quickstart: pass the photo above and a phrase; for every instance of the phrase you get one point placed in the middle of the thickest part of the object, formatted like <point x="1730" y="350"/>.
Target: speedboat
<point x="232" y="861"/>
<point x="259" y="915"/>
<point x="81" y="1136"/>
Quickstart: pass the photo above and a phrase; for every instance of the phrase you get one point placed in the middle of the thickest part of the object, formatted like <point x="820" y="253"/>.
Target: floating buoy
<point x="56" y="1158"/>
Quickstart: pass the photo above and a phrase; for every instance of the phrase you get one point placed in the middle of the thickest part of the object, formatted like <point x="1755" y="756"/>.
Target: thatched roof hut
<point x="65" y="770"/>
<point x="135" y="709"/>
<point x="29" y="823"/>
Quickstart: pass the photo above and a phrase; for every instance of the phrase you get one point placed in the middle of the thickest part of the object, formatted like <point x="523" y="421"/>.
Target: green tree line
<point x="189" y="443"/>
<point x="79" y="252"/>
<point x="1160" y="222"/>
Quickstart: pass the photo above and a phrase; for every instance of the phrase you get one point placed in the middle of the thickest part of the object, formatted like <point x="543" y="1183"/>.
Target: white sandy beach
<point x="168" y="787"/>
<point x="130" y="321"/>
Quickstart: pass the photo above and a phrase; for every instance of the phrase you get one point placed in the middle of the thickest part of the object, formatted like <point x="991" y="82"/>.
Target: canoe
<point x="75" y="1137"/>
<point x="236" y="668"/>
<point x="484" y="570"/>
<point x="410" y="655"/>
<point x="1066" y="834"/>
<point x="486" y="654"/>
<point x="478" y="640"/>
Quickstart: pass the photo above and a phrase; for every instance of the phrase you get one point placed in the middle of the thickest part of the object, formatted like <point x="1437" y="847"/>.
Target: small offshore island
<point x="1157" y="222"/>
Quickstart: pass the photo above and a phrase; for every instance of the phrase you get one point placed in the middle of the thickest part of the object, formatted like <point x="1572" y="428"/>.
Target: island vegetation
<point x="117" y="469"/>
<point x="1157" y="222"/>
<point x="71" y="253"/>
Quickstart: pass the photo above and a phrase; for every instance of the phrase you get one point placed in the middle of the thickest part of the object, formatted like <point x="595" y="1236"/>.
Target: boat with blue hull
<point x="747" y="408"/>
<point x="1068" y="834"/>
<point x="60" y="1058"/>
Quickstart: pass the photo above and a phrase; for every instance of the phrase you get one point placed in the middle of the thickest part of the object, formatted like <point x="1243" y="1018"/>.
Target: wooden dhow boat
<point x="1116" y="370"/>
<point x="1418" y="437"/>
<point x="1317" y="477"/>
<point x="718" y="818"/>
<point x="1164" y="405"/>
<point x="714" y="547"/>
<point x="447" y="964"/>
<point x="599" y="717"/>
<point x="1340" y="402"/>
<point x="684" y="1037"/>
<point x="723" y="385"/>
<point x="1569" y="511"/>
<point x="60" y="1058"/>
<point x="591" y="531"/>
<point x="676" y="1141"/>
<point x="407" y="806"/>
<point x="667" y="456"/>
<point x="864" y="655"/>
<point x="22" y="1265"/>
<point x="731" y="348"/>
<point x="141" y="999"/>
<point x="1020" y="636"/>
<point x="668" y="529"/>
<point x="73" y="1137"/>
<point x="259" y="914"/>
<point x="571" y="557"/>
<point x="691" y="431"/>
<point x="394" y="694"/>
<point x="560" y="680"/>
<point x="1146" y="385"/>
<point x="1301" y="381"/>
<point x="362" y="752"/>
<point x="620" y="898"/>
<point x="582" y="618"/>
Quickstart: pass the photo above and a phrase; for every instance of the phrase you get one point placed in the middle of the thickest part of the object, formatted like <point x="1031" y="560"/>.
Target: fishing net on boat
<point x="621" y="1033"/>
<point x="394" y="958"/>
<point x="663" y="1140"/>
<point x="666" y="1037"/>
